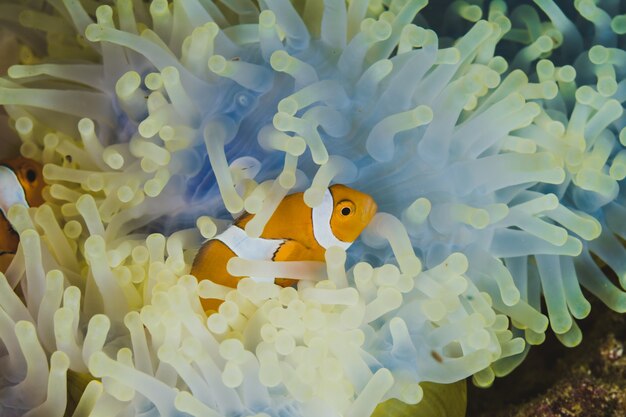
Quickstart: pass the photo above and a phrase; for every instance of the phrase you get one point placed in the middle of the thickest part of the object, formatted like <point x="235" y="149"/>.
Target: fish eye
<point x="31" y="175"/>
<point x="345" y="208"/>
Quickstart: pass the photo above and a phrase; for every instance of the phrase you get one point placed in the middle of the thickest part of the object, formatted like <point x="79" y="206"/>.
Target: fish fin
<point x="5" y="260"/>
<point x="210" y="263"/>
<point x="290" y="250"/>
<point x="242" y="220"/>
<point x="9" y="238"/>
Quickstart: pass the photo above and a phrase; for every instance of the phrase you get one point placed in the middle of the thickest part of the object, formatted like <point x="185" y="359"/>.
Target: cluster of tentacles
<point x="492" y="143"/>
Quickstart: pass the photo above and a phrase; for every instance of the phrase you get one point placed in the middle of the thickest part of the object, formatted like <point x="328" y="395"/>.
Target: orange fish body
<point x="295" y="232"/>
<point x="21" y="182"/>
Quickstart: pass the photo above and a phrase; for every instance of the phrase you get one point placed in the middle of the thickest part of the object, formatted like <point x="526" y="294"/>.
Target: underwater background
<point x="490" y="133"/>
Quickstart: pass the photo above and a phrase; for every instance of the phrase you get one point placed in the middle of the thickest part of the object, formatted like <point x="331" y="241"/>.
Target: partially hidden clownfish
<point x="295" y="232"/>
<point x="21" y="182"/>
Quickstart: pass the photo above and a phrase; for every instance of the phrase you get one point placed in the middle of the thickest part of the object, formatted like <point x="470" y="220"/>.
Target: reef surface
<point x="586" y="381"/>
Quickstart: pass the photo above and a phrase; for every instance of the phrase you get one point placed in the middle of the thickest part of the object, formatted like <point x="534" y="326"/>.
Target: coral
<point x="497" y="177"/>
<point x="587" y="397"/>
<point x="585" y="381"/>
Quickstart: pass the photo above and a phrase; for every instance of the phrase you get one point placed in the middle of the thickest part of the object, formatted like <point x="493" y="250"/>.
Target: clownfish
<point x="295" y="232"/>
<point x="21" y="182"/>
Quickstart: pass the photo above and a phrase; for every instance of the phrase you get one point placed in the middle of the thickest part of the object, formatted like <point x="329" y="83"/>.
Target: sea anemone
<point x="497" y="177"/>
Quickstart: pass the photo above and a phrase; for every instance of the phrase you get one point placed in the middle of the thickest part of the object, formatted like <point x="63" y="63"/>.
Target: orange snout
<point x="348" y="225"/>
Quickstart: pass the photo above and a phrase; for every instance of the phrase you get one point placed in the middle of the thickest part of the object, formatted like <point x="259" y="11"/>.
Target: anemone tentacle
<point x="498" y="177"/>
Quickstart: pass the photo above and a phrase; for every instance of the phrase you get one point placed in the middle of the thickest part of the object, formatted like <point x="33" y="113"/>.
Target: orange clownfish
<point x="295" y="232"/>
<point x="21" y="182"/>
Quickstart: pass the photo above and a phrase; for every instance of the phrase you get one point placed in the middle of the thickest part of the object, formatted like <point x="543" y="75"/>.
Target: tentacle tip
<point x="94" y="32"/>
